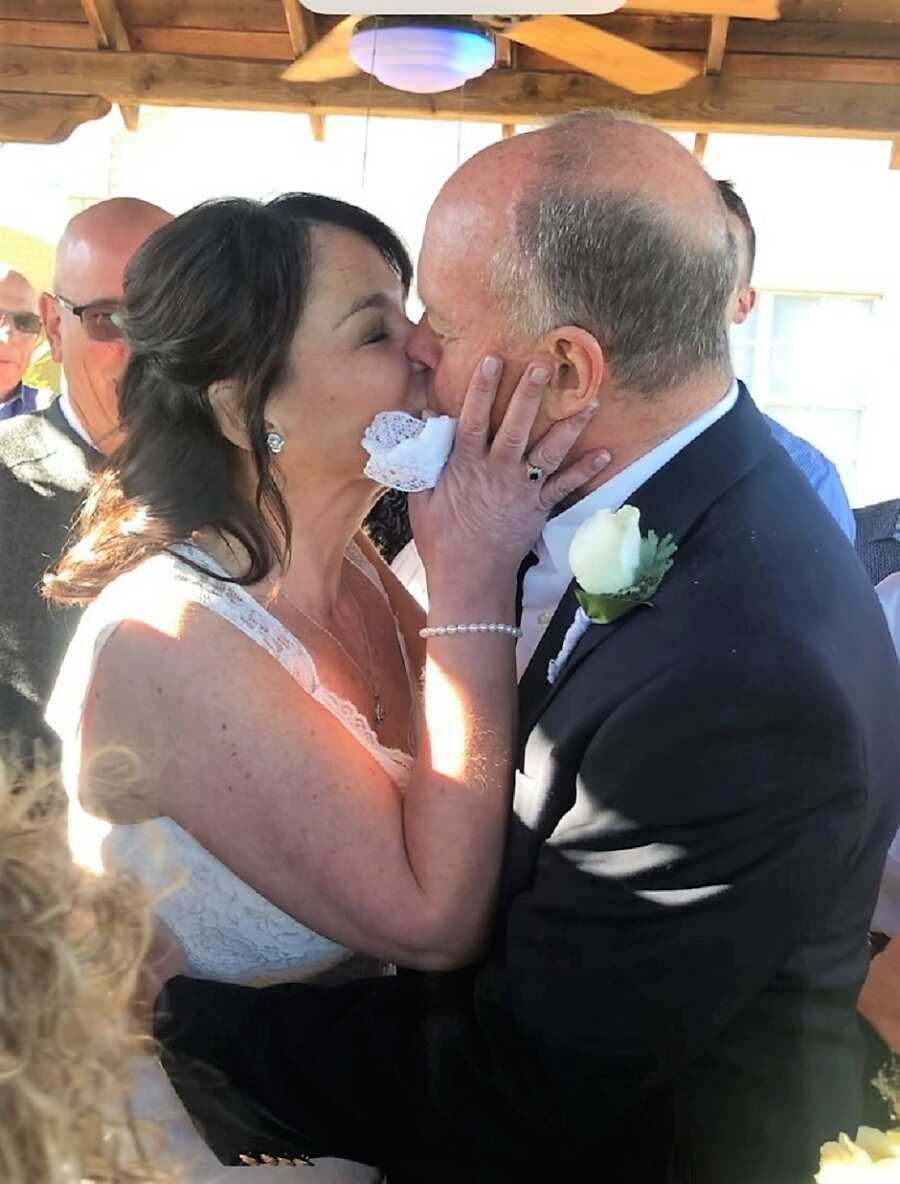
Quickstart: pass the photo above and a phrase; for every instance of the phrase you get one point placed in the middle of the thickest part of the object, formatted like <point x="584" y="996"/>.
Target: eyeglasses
<point x="25" y="322"/>
<point x="102" y="320"/>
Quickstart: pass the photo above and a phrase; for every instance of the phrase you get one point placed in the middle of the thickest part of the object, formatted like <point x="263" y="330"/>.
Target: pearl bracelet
<point x="485" y="627"/>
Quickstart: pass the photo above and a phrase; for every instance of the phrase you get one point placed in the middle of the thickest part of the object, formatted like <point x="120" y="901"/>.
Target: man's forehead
<point x="452" y="274"/>
<point x="87" y="273"/>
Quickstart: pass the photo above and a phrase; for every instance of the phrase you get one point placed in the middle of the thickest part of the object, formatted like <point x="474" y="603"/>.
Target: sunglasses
<point x="25" y="322"/>
<point x="101" y="321"/>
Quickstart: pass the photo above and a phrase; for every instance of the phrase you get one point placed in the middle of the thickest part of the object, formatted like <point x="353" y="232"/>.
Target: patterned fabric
<point x="819" y="472"/>
<point x="24" y="400"/>
<point x="878" y="539"/>
<point x="228" y="931"/>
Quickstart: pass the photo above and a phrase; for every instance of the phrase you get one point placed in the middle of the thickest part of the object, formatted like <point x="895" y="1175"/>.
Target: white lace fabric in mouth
<point x="407" y="453"/>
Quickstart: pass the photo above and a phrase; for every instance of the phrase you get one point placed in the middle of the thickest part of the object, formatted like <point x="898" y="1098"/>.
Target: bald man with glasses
<point x="46" y="457"/>
<point x="20" y="331"/>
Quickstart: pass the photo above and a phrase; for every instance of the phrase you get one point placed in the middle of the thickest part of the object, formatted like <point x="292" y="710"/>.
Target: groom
<point x="703" y="798"/>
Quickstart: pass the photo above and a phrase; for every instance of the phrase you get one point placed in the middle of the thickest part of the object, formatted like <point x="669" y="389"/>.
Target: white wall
<point x="827" y="211"/>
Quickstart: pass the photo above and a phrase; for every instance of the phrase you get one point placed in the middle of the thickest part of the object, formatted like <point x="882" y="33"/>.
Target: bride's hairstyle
<point x="216" y="294"/>
<point x="70" y="950"/>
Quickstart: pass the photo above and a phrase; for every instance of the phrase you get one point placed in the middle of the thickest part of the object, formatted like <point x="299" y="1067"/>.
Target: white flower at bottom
<point x="605" y="553"/>
<point x="874" y="1157"/>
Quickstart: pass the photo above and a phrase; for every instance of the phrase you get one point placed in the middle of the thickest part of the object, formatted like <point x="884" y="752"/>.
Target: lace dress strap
<point x="155" y="593"/>
<point x="240" y="607"/>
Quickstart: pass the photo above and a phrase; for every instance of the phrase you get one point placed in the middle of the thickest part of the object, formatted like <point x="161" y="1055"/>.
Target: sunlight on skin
<point x="446" y="719"/>
<point x="86" y="838"/>
<point x="87" y="833"/>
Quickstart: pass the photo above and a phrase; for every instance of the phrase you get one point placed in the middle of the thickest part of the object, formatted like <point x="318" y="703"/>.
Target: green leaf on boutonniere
<point x="655" y="560"/>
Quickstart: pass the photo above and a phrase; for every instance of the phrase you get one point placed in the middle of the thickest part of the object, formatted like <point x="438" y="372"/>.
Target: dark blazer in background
<point x="703" y="803"/>
<point x="44" y="471"/>
<point x="878" y="539"/>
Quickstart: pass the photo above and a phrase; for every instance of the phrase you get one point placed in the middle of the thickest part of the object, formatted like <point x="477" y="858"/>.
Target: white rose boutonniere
<point x="615" y="570"/>
<point x="875" y="1155"/>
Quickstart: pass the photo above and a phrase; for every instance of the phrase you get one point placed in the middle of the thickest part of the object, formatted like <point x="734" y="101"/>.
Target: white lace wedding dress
<point x="226" y="929"/>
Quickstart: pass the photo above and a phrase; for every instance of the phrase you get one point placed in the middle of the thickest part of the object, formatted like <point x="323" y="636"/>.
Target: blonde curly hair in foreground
<point x="71" y="947"/>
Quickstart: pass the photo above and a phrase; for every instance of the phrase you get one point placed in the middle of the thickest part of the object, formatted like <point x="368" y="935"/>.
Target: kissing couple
<point x="623" y="861"/>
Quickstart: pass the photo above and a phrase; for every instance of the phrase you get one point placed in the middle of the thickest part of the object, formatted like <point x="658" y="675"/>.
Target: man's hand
<point x="879" y="1000"/>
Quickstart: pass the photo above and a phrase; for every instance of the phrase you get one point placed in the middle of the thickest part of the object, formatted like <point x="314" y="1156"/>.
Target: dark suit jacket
<point x="43" y="477"/>
<point x="702" y="808"/>
<point x="878" y="539"/>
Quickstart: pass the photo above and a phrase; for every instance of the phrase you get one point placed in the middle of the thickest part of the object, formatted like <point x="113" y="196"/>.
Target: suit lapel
<point x="671" y="502"/>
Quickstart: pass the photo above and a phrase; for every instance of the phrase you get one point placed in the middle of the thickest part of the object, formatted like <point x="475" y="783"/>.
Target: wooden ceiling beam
<point x="317" y="126"/>
<point x="106" y="24"/>
<point x="701" y="139"/>
<point x="840" y="19"/>
<point x="782" y="68"/>
<point x="715" y="51"/>
<point x="764" y="10"/>
<point x="277" y="47"/>
<point x="110" y="33"/>
<point x="895" y="155"/>
<point x="707" y="104"/>
<point x="301" y="26"/>
<point x="46" y="119"/>
<point x="859" y="45"/>
<point x="505" y="51"/>
<point x="828" y="38"/>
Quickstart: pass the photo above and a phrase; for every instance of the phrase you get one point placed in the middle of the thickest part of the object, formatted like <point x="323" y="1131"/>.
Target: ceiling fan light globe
<point x="422" y="59"/>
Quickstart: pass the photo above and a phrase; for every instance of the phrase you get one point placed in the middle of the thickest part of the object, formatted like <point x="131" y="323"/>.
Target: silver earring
<point x="274" y="441"/>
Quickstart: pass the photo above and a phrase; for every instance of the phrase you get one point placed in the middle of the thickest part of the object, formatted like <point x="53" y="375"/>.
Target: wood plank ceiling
<point x="825" y="67"/>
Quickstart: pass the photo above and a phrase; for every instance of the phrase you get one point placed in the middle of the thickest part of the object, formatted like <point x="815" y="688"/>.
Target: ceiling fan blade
<point x="759" y="10"/>
<point x="621" y="62"/>
<point x="327" y="58"/>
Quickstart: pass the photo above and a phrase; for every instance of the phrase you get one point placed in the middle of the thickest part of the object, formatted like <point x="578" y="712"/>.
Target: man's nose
<point x="422" y="346"/>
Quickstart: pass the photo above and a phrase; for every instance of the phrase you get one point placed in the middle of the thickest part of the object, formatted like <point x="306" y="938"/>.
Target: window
<point x="808" y="358"/>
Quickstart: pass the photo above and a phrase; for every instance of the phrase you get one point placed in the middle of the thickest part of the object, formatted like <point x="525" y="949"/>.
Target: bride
<point x="309" y="781"/>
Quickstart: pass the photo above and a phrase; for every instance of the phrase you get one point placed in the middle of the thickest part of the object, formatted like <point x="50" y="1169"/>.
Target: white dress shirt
<point x="546" y="582"/>
<point x="70" y="415"/>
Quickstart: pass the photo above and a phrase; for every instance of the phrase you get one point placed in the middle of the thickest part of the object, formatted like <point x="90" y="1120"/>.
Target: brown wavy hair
<point x="70" y="951"/>
<point x="214" y="295"/>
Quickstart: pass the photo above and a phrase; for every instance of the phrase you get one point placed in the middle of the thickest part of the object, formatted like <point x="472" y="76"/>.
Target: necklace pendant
<point x="378" y="709"/>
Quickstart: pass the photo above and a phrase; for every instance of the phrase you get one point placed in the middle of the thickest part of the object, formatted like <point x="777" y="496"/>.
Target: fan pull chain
<point x="365" y="155"/>
<point x="459" y="126"/>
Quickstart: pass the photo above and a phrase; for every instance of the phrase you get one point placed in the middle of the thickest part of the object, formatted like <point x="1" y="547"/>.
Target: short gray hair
<point x="620" y="266"/>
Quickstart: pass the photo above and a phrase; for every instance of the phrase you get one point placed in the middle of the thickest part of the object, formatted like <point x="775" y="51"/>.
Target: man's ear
<point x="578" y="372"/>
<point x="744" y="306"/>
<point x="224" y="397"/>
<point x="52" y="318"/>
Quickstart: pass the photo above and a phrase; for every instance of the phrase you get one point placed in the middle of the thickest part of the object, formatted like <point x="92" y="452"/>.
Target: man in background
<point x="46" y="458"/>
<point x="818" y="469"/>
<point x="878" y="539"/>
<point x="20" y="329"/>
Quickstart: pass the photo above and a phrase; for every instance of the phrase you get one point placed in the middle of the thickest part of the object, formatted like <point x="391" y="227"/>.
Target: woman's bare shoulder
<point x="160" y="686"/>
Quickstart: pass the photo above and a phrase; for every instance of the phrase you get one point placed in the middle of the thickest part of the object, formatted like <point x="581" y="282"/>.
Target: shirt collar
<point x="70" y="415"/>
<point x="22" y="399"/>
<point x="613" y="494"/>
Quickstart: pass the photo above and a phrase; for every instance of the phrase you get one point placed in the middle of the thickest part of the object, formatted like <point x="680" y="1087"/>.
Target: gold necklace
<point x="378" y="710"/>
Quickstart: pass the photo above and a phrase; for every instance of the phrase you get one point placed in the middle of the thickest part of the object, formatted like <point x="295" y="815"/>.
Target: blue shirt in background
<point x="820" y="473"/>
<point x="23" y="399"/>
